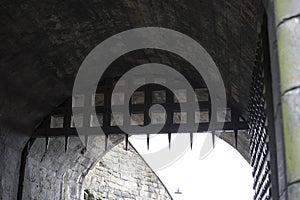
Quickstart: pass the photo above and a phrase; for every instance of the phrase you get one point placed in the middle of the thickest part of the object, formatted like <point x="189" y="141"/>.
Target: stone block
<point x="127" y="177"/>
<point x="286" y="9"/>
<point x="289" y="53"/>
<point x="291" y="123"/>
<point x="294" y="191"/>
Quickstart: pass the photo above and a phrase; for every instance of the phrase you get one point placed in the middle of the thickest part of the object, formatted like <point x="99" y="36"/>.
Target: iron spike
<point x="191" y="140"/>
<point x="236" y="138"/>
<point x="126" y="142"/>
<point x="148" y="141"/>
<point x="169" y="138"/>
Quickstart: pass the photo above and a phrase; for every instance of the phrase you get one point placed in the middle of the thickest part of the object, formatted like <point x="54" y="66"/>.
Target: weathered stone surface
<point x="286" y="9"/>
<point x="287" y="15"/>
<point x="48" y="50"/>
<point x="10" y="153"/>
<point x="291" y="121"/>
<point x="294" y="191"/>
<point x="43" y="43"/>
<point x="289" y="53"/>
<point x="56" y="174"/>
<point x="122" y="174"/>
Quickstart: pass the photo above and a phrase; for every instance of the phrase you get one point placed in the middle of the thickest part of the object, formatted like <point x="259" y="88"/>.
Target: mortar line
<point x="289" y="90"/>
<point x="287" y="19"/>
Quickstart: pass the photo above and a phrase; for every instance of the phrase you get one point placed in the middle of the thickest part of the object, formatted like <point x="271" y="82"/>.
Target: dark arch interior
<point x="43" y="44"/>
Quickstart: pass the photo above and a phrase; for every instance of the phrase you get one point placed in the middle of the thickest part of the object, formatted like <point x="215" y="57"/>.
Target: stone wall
<point x="58" y="174"/>
<point x="284" y="31"/>
<point x="36" y="80"/>
<point x="122" y="174"/>
<point x="11" y="144"/>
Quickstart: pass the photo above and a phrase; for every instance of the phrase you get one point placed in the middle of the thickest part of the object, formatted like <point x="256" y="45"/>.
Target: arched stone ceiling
<point x="42" y="44"/>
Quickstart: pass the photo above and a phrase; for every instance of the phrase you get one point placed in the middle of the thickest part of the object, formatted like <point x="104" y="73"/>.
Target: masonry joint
<point x="287" y="19"/>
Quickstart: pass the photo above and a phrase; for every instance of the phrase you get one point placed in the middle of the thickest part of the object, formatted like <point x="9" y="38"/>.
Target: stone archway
<point x="57" y="174"/>
<point x="124" y="174"/>
<point x="48" y="41"/>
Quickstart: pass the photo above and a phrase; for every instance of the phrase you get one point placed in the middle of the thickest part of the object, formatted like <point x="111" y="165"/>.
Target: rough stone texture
<point x="288" y="30"/>
<point x="286" y="9"/>
<point x="57" y="174"/>
<point x="288" y="43"/>
<point x="294" y="192"/>
<point x="291" y="120"/>
<point x="42" y="44"/>
<point x="122" y="174"/>
<point x="11" y="145"/>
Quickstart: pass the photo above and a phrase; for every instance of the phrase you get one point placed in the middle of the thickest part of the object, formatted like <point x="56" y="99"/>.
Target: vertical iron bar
<point x="24" y="155"/>
<point x="106" y="142"/>
<point x="126" y="142"/>
<point x="236" y="138"/>
<point x="66" y="143"/>
<point x="213" y="135"/>
<point x="86" y="141"/>
<point x="47" y="139"/>
<point x="270" y="114"/>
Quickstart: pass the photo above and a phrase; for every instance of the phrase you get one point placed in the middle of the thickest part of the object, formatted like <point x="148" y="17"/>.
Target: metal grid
<point x="259" y="138"/>
<point x="61" y="122"/>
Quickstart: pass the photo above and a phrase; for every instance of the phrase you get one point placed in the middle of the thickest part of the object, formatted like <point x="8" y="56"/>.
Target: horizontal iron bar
<point x="56" y="132"/>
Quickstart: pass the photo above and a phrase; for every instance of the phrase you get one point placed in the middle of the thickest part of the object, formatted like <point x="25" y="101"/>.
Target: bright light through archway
<point x="223" y="175"/>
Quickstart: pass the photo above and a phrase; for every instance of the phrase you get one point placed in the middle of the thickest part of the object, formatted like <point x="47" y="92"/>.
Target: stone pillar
<point x="287" y="22"/>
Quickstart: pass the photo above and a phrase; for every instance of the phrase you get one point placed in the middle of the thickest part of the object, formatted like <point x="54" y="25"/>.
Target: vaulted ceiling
<point x="43" y="43"/>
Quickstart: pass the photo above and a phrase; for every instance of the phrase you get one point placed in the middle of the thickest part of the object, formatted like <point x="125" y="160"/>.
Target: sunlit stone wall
<point x="122" y="174"/>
